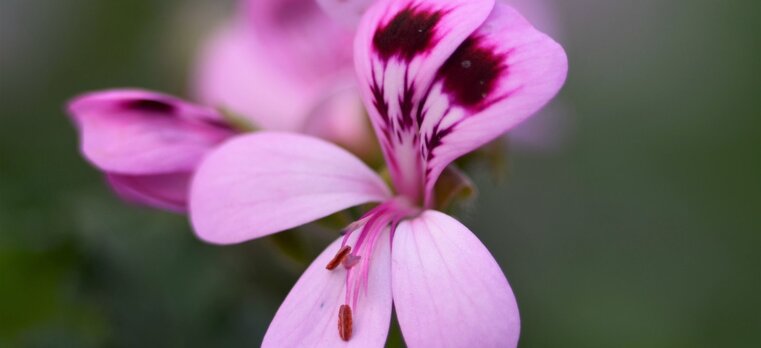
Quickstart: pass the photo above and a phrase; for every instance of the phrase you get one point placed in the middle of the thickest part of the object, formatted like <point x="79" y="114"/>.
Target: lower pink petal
<point x="309" y="315"/>
<point x="448" y="290"/>
<point x="163" y="191"/>
<point x="267" y="182"/>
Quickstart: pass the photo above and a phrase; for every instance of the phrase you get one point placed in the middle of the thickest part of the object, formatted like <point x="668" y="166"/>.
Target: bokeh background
<point x="638" y="226"/>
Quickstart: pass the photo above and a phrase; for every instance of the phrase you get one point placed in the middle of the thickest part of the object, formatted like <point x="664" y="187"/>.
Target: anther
<point x="340" y="256"/>
<point x="351" y="261"/>
<point x="344" y="322"/>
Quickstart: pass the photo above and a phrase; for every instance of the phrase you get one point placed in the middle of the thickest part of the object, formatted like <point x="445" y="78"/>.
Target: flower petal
<point x="436" y="90"/>
<point x="503" y="73"/>
<point x="263" y="183"/>
<point x="235" y="73"/>
<point x="301" y="38"/>
<point x="139" y="132"/>
<point x="309" y="315"/>
<point x="398" y="49"/>
<point x="345" y="11"/>
<point x="340" y="119"/>
<point x="541" y="13"/>
<point x="163" y="191"/>
<point x="448" y="290"/>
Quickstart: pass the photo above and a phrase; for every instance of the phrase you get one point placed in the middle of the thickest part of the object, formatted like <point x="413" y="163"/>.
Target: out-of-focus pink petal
<point x="448" y="290"/>
<point x="309" y="315"/>
<point x="234" y="72"/>
<point x="347" y="12"/>
<point x="398" y="50"/>
<point x="163" y="191"/>
<point x="299" y="36"/>
<point x="139" y="132"/>
<point x="541" y="13"/>
<point x="263" y="183"/>
<point x="340" y="118"/>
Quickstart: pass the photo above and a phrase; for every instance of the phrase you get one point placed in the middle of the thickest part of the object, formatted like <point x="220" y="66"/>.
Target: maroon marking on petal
<point x="379" y="100"/>
<point x="470" y="74"/>
<point x="435" y="139"/>
<point x="408" y="34"/>
<point x="150" y="105"/>
<point x="406" y="103"/>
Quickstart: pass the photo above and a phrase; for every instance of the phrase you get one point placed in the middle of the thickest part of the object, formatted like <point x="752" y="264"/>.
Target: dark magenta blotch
<point x="150" y="105"/>
<point x="408" y="34"/>
<point x="470" y="74"/>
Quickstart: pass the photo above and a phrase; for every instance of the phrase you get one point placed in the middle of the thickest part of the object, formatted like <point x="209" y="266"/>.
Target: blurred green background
<point x="639" y="228"/>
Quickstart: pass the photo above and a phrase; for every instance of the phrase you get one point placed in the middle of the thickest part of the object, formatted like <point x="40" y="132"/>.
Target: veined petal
<point x="500" y="75"/>
<point x="345" y="11"/>
<point x="137" y="132"/>
<point x="398" y="49"/>
<point x="309" y="315"/>
<point x="163" y="191"/>
<point x="263" y="183"/>
<point x="448" y="290"/>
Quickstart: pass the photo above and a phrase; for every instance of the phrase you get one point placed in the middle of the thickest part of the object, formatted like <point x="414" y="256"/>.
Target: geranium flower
<point x="149" y="144"/>
<point x="439" y="79"/>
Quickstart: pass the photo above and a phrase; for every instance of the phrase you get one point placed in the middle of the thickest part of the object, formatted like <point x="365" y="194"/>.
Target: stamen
<point x="339" y="258"/>
<point x="344" y="322"/>
<point x="351" y="261"/>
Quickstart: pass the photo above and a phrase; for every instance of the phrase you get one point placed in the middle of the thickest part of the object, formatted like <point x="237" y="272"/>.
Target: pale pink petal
<point x="267" y="182"/>
<point x="163" y="191"/>
<point x="309" y="315"/>
<point x="300" y="36"/>
<point x="398" y="49"/>
<point x="340" y="118"/>
<point x="234" y="72"/>
<point x="541" y="13"/>
<point x="448" y="290"/>
<point x="503" y="73"/>
<point x="139" y="132"/>
<point x="347" y="12"/>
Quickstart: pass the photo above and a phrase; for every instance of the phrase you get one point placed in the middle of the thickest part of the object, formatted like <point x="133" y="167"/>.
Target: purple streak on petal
<point x="154" y="106"/>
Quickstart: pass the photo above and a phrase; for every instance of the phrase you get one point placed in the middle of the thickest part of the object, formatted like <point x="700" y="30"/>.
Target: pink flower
<point x="283" y="65"/>
<point x="439" y="79"/>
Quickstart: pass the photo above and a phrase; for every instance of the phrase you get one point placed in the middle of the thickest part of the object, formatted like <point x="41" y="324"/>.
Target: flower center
<point x="356" y="259"/>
